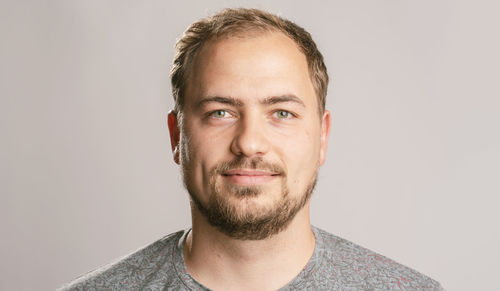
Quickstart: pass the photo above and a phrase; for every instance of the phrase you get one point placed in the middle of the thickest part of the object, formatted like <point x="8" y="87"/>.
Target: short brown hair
<point x="237" y="22"/>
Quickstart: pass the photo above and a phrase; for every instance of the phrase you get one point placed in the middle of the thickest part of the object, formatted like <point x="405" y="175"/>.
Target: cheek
<point x="202" y="150"/>
<point x="300" y="154"/>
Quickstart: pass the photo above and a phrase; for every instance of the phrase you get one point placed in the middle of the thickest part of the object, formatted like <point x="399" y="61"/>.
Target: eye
<point x="283" y="114"/>
<point x="219" y="114"/>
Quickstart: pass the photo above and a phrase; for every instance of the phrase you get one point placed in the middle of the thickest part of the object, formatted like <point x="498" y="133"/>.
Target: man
<point x="250" y="130"/>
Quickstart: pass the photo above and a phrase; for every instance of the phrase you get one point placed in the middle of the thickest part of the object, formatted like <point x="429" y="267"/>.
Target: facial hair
<point x="228" y="218"/>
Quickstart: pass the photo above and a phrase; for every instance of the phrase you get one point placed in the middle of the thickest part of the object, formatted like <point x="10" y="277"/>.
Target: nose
<point x="250" y="138"/>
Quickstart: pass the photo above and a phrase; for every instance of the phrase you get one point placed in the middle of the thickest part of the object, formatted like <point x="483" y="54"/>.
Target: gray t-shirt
<point x="336" y="264"/>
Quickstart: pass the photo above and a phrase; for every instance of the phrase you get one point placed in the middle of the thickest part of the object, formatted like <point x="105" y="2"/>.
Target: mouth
<point x="249" y="177"/>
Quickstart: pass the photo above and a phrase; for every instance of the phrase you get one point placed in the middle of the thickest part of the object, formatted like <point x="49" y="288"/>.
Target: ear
<point x="173" y="128"/>
<point x="325" y="132"/>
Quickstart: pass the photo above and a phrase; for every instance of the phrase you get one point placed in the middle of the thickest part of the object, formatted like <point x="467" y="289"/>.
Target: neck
<point x="266" y="264"/>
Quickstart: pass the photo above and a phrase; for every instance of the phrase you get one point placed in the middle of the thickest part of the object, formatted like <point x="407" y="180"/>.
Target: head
<point x="249" y="127"/>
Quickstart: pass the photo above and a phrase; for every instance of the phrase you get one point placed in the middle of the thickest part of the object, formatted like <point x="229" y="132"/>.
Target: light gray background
<point x="85" y="162"/>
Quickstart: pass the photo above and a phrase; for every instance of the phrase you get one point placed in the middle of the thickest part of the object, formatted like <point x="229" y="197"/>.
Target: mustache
<point x="256" y="163"/>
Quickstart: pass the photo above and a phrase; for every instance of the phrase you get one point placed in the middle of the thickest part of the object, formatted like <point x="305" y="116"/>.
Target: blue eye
<point x="219" y="114"/>
<point x="282" y="114"/>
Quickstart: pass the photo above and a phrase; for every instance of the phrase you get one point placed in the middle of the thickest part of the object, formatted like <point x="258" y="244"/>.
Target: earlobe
<point x="176" y="154"/>
<point x="325" y="132"/>
<point x="173" y="128"/>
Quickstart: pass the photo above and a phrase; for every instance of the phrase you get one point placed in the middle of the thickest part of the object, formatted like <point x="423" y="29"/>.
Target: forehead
<point x="259" y="65"/>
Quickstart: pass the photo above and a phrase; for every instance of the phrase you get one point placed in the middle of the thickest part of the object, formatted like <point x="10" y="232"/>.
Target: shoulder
<point x="352" y="265"/>
<point x="134" y="270"/>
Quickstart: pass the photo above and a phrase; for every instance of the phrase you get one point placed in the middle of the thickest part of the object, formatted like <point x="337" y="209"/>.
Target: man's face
<point x="252" y="138"/>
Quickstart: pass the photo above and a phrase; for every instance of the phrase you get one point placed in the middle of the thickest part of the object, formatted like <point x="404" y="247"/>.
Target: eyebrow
<point x="283" y="99"/>
<point x="238" y="103"/>
<point x="217" y="99"/>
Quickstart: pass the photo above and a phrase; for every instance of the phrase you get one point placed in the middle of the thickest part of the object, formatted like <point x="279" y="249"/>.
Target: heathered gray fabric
<point x="336" y="264"/>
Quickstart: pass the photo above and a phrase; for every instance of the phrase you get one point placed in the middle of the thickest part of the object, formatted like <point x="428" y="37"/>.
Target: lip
<point x="249" y="177"/>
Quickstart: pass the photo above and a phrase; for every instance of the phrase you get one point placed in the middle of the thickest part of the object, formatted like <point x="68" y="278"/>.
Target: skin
<point x="250" y="98"/>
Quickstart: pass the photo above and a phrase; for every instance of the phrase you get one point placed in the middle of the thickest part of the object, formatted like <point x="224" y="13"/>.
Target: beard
<point x="252" y="223"/>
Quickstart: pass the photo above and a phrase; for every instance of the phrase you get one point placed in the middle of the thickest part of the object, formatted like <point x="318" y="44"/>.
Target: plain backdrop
<point x="86" y="170"/>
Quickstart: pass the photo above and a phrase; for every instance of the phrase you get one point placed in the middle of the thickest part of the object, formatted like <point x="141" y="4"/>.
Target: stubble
<point x="222" y="212"/>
